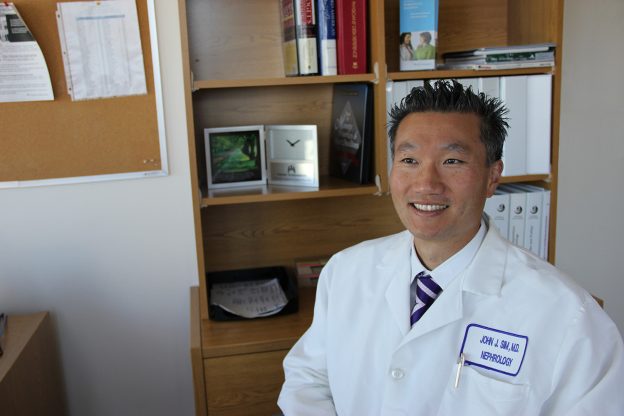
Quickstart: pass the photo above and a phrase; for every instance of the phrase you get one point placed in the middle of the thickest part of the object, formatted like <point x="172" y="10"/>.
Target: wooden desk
<point x="30" y="373"/>
<point x="237" y="365"/>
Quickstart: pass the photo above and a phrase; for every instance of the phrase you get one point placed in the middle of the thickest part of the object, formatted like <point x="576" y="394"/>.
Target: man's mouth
<point x="429" y="207"/>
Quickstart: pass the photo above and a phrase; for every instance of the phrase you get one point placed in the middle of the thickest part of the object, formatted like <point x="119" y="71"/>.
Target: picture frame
<point x="292" y="155"/>
<point x="235" y="156"/>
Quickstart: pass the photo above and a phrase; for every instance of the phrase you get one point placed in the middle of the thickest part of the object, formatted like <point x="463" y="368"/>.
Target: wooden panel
<point x="193" y="163"/>
<point x="471" y="24"/>
<point x="199" y="386"/>
<point x="64" y="138"/>
<point x="30" y="372"/>
<point x="535" y="21"/>
<point x="233" y="39"/>
<point x="275" y="233"/>
<point x="246" y="384"/>
<point x="223" y="338"/>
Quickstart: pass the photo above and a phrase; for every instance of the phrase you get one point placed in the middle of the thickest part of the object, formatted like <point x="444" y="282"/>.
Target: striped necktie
<point x="426" y="292"/>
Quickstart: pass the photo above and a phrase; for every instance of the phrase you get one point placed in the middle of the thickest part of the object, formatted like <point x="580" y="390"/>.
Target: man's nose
<point x="427" y="180"/>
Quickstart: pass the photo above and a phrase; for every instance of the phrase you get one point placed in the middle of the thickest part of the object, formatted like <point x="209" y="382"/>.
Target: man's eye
<point x="452" y="162"/>
<point x="408" y="161"/>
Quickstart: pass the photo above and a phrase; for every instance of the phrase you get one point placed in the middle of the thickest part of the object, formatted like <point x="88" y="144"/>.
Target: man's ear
<point x="495" y="173"/>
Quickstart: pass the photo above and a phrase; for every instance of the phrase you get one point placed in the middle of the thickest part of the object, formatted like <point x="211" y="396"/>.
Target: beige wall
<point x="590" y="215"/>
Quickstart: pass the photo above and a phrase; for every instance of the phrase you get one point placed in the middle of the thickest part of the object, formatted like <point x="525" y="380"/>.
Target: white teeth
<point x="422" y="207"/>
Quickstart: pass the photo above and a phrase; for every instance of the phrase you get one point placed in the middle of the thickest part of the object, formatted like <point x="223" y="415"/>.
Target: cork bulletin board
<point x="65" y="141"/>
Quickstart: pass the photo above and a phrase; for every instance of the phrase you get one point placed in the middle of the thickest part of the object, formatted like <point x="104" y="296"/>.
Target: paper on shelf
<point x="101" y="46"/>
<point x="24" y="75"/>
<point x="249" y="299"/>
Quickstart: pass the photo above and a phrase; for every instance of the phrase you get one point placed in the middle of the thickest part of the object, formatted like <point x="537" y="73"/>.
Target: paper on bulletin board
<point x="24" y="75"/>
<point x="101" y="47"/>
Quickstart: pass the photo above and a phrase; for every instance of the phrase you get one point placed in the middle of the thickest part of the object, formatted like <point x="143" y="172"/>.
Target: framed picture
<point x="235" y="156"/>
<point x="292" y="153"/>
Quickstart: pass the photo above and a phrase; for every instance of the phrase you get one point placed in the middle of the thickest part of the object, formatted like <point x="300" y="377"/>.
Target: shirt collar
<point x="446" y="272"/>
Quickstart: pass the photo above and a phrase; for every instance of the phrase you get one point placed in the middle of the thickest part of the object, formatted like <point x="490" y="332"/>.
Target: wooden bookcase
<point x="232" y="61"/>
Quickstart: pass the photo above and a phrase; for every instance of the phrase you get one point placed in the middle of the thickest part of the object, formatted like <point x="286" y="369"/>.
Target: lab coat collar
<point x="396" y="265"/>
<point x="484" y="276"/>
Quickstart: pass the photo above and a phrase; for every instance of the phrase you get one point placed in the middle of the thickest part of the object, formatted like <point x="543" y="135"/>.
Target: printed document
<point x="24" y="75"/>
<point x="102" y="51"/>
<point x="249" y="299"/>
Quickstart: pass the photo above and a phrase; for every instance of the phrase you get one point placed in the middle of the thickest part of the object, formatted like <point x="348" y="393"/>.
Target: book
<point x="307" y="35"/>
<point x="545" y="227"/>
<point x="418" y="34"/>
<point x="539" y="98"/>
<point x="309" y="271"/>
<point x="545" y="219"/>
<point x="351" y="38"/>
<point x="289" y="38"/>
<point x="351" y="136"/>
<point x="326" y="10"/>
<point x="497" y="208"/>
<point x="533" y="217"/>
<point x="489" y="86"/>
<point x="517" y="214"/>
<point x="513" y="92"/>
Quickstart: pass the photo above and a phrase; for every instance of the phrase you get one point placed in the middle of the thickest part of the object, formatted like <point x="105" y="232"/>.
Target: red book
<point x="351" y="38"/>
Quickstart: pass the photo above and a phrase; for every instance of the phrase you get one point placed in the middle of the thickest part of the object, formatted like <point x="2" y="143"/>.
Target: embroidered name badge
<point x="494" y="349"/>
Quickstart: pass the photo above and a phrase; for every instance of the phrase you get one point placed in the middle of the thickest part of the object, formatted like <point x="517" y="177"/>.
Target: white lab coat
<point x="360" y="357"/>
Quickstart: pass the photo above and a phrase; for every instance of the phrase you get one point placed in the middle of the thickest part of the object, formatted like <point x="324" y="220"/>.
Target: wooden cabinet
<point x="30" y="372"/>
<point x="232" y="61"/>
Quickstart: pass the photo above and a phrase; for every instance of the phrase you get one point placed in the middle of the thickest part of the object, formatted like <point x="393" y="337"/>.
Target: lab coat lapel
<point x="396" y="266"/>
<point x="446" y="309"/>
<point x="484" y="275"/>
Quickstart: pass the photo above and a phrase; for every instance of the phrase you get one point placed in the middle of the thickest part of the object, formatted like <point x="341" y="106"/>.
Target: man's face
<point x="440" y="179"/>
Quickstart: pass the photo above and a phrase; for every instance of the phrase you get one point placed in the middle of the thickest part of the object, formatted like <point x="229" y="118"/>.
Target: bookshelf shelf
<point x="440" y="73"/>
<point x="329" y="188"/>
<point x="281" y="81"/>
<point x="526" y="178"/>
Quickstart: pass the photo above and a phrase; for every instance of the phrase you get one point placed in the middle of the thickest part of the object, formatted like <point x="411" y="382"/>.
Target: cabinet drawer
<point x="246" y="384"/>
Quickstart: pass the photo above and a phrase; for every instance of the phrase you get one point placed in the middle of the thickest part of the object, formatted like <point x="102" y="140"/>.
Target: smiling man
<point x="447" y="317"/>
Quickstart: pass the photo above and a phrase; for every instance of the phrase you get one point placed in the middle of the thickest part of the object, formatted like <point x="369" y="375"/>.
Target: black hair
<point x="451" y="97"/>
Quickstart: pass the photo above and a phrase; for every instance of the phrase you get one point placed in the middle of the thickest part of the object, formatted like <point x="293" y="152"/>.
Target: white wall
<point x="113" y="263"/>
<point x="590" y="222"/>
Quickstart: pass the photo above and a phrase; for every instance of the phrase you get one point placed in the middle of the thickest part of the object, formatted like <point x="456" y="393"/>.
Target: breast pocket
<point x="477" y="394"/>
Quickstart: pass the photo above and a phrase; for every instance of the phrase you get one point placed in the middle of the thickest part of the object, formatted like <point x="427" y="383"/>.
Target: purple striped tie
<point x="426" y="292"/>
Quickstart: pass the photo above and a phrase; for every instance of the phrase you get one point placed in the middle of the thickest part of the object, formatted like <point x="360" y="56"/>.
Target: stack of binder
<point x="508" y="57"/>
<point x="521" y="213"/>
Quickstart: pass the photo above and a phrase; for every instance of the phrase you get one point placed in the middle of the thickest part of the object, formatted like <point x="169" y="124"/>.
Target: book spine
<point x="497" y="207"/>
<point x="539" y="107"/>
<point x="289" y="38"/>
<point x="351" y="40"/>
<point x="305" y="19"/>
<point x="513" y="92"/>
<point x="326" y="10"/>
